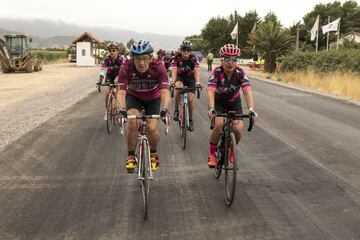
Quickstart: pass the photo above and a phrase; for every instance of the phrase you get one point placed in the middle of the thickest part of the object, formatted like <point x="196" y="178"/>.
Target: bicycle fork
<point x="144" y="143"/>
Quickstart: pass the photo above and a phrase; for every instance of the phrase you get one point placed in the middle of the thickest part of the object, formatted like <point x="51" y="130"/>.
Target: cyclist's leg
<point x="178" y="84"/>
<point x="191" y="83"/>
<point x="215" y="134"/>
<point x="133" y="107"/>
<point x="238" y="125"/>
<point x="152" y="108"/>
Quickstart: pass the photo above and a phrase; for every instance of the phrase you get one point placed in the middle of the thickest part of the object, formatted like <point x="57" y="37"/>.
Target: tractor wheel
<point x="29" y="67"/>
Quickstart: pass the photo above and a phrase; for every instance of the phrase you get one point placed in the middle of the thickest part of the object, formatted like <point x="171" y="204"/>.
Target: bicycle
<point x="184" y="109"/>
<point x="226" y="147"/>
<point x="111" y="109"/>
<point x="142" y="155"/>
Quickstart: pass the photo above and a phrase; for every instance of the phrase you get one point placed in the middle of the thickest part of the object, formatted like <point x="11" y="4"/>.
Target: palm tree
<point x="271" y="41"/>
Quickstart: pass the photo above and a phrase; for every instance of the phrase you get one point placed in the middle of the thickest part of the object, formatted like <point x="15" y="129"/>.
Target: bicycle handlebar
<point x="157" y="116"/>
<point x="235" y="116"/>
<point x="107" y="84"/>
<point x="186" y="90"/>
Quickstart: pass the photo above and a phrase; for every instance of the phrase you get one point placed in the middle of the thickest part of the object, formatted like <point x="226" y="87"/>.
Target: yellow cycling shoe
<point x="130" y="164"/>
<point x="155" y="162"/>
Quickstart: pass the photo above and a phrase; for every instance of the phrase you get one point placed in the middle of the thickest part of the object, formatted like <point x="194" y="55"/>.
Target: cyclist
<point x="110" y="67"/>
<point x="224" y="87"/>
<point x="185" y="72"/>
<point x="210" y="58"/>
<point x="143" y="83"/>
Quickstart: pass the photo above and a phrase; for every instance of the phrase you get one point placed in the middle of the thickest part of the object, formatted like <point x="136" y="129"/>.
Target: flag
<point x="333" y="26"/>
<point x="315" y="29"/>
<point x="234" y="32"/>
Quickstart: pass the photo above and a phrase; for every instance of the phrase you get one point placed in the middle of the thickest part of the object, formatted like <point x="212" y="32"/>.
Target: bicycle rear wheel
<point x="144" y="168"/>
<point x="109" y="120"/>
<point x="184" y="125"/>
<point x="230" y="164"/>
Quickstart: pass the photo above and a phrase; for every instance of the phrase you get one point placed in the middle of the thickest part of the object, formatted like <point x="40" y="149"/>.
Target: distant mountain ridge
<point x="47" y="33"/>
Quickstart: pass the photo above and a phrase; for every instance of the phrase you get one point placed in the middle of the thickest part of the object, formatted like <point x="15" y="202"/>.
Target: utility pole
<point x="327" y="39"/>
<point x="297" y="38"/>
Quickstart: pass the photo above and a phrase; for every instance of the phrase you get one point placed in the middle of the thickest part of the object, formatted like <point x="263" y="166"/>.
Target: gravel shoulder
<point x="27" y="100"/>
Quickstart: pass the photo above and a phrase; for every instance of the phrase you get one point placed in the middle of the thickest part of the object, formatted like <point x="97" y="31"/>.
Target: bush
<point x="332" y="61"/>
<point x="49" y="56"/>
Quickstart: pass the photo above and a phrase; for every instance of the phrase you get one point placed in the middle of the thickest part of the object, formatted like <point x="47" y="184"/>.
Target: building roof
<point x="88" y="37"/>
<point x="351" y="33"/>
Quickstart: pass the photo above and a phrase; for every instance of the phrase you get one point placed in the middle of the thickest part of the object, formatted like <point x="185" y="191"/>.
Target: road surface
<point x="298" y="177"/>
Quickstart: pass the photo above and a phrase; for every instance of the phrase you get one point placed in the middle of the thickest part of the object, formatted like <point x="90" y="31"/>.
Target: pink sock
<point x="212" y="148"/>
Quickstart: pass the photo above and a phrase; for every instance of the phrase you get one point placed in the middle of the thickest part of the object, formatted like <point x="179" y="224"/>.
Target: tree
<point x="198" y="43"/>
<point x="129" y="43"/>
<point x="272" y="42"/>
<point x="216" y="33"/>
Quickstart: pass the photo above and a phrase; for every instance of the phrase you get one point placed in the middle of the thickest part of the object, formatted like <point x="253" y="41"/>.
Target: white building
<point x="86" y="49"/>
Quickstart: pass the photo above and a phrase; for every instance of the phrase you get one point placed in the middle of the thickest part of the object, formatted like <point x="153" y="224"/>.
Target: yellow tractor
<point x="16" y="54"/>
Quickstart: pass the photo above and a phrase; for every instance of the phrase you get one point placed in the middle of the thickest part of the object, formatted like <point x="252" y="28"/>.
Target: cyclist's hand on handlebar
<point x="164" y="114"/>
<point x="121" y="116"/>
<point x="253" y="114"/>
<point x="211" y="113"/>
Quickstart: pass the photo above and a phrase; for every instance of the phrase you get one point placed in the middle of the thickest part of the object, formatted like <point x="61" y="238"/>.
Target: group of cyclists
<point x="144" y="83"/>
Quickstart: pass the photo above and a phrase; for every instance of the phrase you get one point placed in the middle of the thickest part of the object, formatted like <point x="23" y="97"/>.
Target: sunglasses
<point x="144" y="59"/>
<point x="112" y="50"/>
<point x="186" y="50"/>
<point x="230" y="59"/>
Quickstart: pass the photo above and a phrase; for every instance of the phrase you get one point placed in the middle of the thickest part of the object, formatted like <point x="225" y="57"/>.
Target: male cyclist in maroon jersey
<point x="185" y="72"/>
<point x="224" y="87"/>
<point x="110" y="67"/>
<point x="143" y="83"/>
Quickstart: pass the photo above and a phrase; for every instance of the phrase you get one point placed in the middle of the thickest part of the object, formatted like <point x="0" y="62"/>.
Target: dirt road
<point x="29" y="99"/>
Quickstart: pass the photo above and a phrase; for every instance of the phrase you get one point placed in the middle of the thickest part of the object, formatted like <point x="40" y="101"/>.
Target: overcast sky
<point x="184" y="17"/>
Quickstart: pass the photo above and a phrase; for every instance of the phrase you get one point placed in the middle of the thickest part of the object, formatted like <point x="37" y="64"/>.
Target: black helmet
<point x="186" y="45"/>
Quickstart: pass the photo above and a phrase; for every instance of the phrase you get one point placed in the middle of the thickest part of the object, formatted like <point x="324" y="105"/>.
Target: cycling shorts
<point x="187" y="81"/>
<point x="151" y="107"/>
<point x="222" y="106"/>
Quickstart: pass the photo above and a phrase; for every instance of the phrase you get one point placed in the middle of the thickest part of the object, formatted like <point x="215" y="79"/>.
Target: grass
<point x="345" y="84"/>
<point x="50" y="56"/>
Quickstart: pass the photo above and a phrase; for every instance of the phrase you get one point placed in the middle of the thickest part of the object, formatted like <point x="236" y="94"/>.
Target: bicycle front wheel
<point x="144" y="170"/>
<point x="230" y="166"/>
<point x="109" y="120"/>
<point x="219" y="161"/>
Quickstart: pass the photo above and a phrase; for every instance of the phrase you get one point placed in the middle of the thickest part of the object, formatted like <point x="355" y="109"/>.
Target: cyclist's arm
<point x="211" y="98"/>
<point x="165" y="98"/>
<point x="249" y="98"/>
<point x="197" y="70"/>
<point x="173" y="74"/>
<point x="121" y="99"/>
<point x="197" y="75"/>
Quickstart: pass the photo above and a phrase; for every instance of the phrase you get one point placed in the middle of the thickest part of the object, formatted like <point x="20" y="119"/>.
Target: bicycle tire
<point x="145" y="186"/>
<point x="219" y="162"/>
<point x="184" y="129"/>
<point x="230" y="169"/>
<point x="109" y="115"/>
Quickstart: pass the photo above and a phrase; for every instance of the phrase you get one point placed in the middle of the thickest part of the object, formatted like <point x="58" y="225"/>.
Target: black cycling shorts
<point x="151" y="107"/>
<point x="190" y="82"/>
<point x="222" y="106"/>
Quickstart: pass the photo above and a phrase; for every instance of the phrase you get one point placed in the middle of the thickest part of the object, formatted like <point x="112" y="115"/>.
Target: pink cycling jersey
<point x="145" y="86"/>
<point x="185" y="67"/>
<point x="228" y="89"/>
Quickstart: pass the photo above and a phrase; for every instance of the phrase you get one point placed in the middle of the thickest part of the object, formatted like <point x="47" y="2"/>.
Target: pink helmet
<point x="230" y="50"/>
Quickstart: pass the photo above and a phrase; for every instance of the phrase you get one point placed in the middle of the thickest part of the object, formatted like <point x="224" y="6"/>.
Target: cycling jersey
<point x="228" y="89"/>
<point x="145" y="86"/>
<point x="110" y="67"/>
<point x="185" y="67"/>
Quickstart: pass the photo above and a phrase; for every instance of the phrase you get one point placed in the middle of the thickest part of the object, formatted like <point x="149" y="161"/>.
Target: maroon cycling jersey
<point x="145" y="86"/>
<point x="111" y="66"/>
<point x="185" y="67"/>
<point x="228" y="89"/>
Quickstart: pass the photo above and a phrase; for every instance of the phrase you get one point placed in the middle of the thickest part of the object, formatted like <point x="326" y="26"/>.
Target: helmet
<point x="112" y="45"/>
<point x="230" y="50"/>
<point x="141" y="47"/>
<point x="186" y="45"/>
